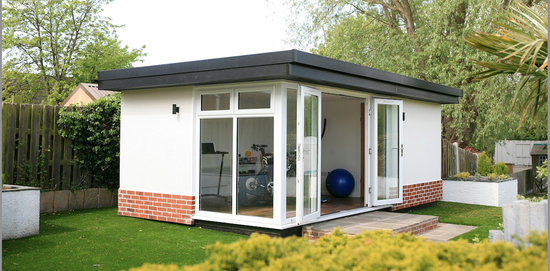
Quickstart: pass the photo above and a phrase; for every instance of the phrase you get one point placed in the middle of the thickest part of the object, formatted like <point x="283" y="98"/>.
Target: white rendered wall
<point x="422" y="142"/>
<point x="341" y="144"/>
<point x="20" y="212"/>
<point x="156" y="146"/>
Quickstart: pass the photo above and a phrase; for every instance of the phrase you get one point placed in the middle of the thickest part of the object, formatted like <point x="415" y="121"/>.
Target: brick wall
<point x="421" y="193"/>
<point x="156" y="206"/>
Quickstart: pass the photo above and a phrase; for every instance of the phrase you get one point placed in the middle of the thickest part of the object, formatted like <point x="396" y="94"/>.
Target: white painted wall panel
<point x="422" y="142"/>
<point x="156" y="146"/>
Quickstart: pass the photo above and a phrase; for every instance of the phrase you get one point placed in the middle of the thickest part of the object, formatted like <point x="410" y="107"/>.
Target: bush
<point x="501" y="168"/>
<point x="95" y="129"/>
<point x="484" y="165"/>
<point x="492" y="177"/>
<point x="462" y="175"/>
<point x="372" y="250"/>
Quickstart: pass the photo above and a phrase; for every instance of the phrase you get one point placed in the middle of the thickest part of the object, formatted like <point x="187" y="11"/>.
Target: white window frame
<point x="235" y="114"/>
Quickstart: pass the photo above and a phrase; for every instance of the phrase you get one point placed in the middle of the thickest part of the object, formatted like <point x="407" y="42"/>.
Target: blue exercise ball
<point x="340" y="183"/>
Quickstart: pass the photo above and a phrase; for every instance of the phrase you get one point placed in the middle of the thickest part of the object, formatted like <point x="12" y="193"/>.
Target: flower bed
<point x="481" y="192"/>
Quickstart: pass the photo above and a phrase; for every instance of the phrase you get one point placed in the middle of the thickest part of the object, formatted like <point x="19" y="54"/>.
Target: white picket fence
<point x="517" y="152"/>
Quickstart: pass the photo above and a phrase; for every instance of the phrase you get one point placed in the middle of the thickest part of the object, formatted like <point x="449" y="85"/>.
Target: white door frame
<point x="399" y="148"/>
<point x="300" y="216"/>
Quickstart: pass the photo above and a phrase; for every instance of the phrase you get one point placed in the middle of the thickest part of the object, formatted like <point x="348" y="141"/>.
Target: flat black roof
<point x="289" y="65"/>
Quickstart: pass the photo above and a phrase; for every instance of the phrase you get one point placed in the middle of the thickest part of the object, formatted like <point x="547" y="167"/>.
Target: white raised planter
<point x="494" y="193"/>
<point x="20" y="211"/>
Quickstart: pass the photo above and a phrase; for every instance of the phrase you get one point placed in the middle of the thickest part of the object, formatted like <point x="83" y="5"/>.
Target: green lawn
<point x="484" y="217"/>
<point x="98" y="239"/>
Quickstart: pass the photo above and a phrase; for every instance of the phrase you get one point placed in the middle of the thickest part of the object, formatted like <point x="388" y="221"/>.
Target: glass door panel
<point x="389" y="150"/>
<point x="291" y="138"/>
<point x="308" y="188"/>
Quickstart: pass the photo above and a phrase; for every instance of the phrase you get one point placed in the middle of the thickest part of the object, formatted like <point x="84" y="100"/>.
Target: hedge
<point x="372" y="250"/>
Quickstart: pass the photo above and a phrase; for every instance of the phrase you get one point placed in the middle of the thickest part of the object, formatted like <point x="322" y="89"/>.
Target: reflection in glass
<point x="388" y="151"/>
<point x="215" y="165"/>
<point x="311" y="173"/>
<point x="291" y="110"/>
<point x="254" y="100"/>
<point x="211" y="102"/>
<point x="255" y="140"/>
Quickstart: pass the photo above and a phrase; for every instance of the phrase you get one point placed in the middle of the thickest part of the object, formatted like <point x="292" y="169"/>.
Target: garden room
<point x="253" y="140"/>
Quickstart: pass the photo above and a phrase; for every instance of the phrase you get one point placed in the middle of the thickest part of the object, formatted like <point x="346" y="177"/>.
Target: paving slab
<point x="445" y="231"/>
<point x="391" y="221"/>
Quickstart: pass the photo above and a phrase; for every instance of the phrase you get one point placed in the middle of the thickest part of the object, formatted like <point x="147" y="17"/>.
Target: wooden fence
<point x="455" y="160"/>
<point x="33" y="152"/>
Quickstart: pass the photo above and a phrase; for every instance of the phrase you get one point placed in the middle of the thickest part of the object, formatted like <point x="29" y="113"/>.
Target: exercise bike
<point x="257" y="189"/>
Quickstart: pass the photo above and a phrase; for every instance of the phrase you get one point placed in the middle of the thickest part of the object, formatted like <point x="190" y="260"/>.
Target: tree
<point x="49" y="45"/>
<point x="521" y="46"/>
<point x="420" y="39"/>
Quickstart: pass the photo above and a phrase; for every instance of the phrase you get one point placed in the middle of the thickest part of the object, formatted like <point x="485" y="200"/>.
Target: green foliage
<point x="371" y="250"/>
<point x="462" y="175"/>
<point x="501" y="168"/>
<point x="484" y="165"/>
<point x="48" y="46"/>
<point x="532" y="199"/>
<point x="492" y="177"/>
<point x="95" y="128"/>
<point x="375" y="34"/>
<point x="542" y="171"/>
<point x="521" y="47"/>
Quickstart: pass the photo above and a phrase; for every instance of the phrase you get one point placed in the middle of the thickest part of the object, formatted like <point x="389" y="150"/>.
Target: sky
<point x="186" y="30"/>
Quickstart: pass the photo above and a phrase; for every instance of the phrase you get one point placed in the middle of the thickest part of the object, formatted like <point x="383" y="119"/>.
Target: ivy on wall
<point x="95" y="129"/>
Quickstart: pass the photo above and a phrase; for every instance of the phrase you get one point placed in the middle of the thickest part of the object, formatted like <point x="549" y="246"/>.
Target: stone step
<point x="396" y="222"/>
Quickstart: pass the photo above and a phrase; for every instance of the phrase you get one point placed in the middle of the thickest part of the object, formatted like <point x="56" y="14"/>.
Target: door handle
<point x="399" y="149"/>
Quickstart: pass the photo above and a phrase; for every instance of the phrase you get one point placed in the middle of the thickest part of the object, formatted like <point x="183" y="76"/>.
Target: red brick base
<point x="156" y="206"/>
<point x="421" y="193"/>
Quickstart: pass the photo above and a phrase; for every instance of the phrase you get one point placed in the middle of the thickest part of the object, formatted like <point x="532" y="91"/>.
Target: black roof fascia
<point x="291" y="65"/>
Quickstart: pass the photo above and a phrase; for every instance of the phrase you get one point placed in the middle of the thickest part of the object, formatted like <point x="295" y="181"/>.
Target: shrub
<point x="462" y="175"/>
<point x="503" y="176"/>
<point x="492" y="176"/>
<point x="371" y="250"/>
<point x="501" y="168"/>
<point x="95" y="129"/>
<point x="484" y="165"/>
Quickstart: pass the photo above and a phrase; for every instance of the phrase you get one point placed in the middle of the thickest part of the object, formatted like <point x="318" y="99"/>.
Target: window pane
<point x="211" y="102"/>
<point x="215" y="165"/>
<point x="254" y="100"/>
<point x="255" y="176"/>
<point x="291" y="110"/>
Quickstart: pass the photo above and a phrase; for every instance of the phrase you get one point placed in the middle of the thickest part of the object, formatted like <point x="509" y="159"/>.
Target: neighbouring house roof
<point x="91" y="92"/>
<point x="539" y="149"/>
<point x="290" y="65"/>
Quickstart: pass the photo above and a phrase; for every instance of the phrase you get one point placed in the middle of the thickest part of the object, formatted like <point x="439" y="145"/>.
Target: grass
<point x="99" y="239"/>
<point x="484" y="217"/>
